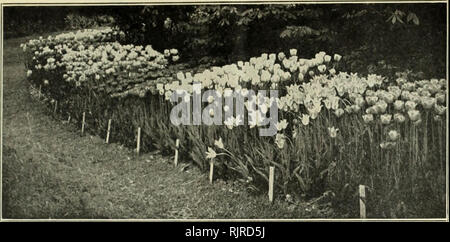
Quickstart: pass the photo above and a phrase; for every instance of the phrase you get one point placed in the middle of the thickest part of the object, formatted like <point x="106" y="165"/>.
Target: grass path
<point x="50" y="171"/>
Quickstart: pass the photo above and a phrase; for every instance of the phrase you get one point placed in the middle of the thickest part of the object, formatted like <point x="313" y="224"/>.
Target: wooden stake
<point x="82" y="123"/>
<point x="138" y="142"/>
<point x="271" y="180"/>
<point x="362" y="201"/>
<point x="211" y="171"/>
<point x="109" y="129"/>
<point x="68" y="120"/>
<point x="40" y="87"/>
<point x="56" y="106"/>
<point x="177" y="144"/>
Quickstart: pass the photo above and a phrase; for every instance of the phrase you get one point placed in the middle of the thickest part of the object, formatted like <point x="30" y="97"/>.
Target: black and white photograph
<point x="224" y="111"/>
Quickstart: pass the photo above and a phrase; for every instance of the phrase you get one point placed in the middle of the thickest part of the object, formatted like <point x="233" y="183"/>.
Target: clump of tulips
<point x="95" y="60"/>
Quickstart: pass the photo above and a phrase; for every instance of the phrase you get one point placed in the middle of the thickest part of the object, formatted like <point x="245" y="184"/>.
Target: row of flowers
<point x="313" y="86"/>
<point x="308" y="86"/>
<point x="334" y="128"/>
<point x="94" y="59"/>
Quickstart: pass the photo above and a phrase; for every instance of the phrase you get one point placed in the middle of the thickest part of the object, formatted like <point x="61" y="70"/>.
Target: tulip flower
<point x="388" y="98"/>
<point x="219" y="143"/>
<point x="211" y="112"/>
<point x="428" y="102"/>
<point x="322" y="68"/>
<point x="384" y="145"/>
<point x="405" y="95"/>
<point x="337" y="57"/>
<point x="293" y="52"/>
<point x="333" y="132"/>
<point x="386" y="118"/>
<point x="393" y="135"/>
<point x="286" y="76"/>
<point x="229" y="122"/>
<point x="381" y="106"/>
<point x="263" y="108"/>
<point x="166" y="52"/>
<point x="210" y="99"/>
<point x="305" y="119"/>
<point x="265" y="76"/>
<point x="280" y="140"/>
<point x="367" y="118"/>
<point x="399" y="118"/>
<point x="332" y="71"/>
<point x="440" y="109"/>
<point x="414" y="115"/>
<point x="355" y="108"/>
<point x="410" y="105"/>
<point x="424" y="93"/>
<point x="440" y="98"/>
<point x="371" y="100"/>
<point x="399" y="105"/>
<point x="282" y="125"/>
<point x="210" y="154"/>
<point x="349" y="109"/>
<point x="339" y="112"/>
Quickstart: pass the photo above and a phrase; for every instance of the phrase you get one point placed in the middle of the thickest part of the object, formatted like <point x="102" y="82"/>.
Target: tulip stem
<point x="425" y="140"/>
<point x="440" y="144"/>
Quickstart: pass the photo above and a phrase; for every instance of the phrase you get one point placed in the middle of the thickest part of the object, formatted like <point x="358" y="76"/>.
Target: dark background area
<point x="373" y="38"/>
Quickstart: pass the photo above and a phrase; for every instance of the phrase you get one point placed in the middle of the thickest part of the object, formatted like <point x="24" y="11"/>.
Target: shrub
<point x="76" y="21"/>
<point x="28" y="20"/>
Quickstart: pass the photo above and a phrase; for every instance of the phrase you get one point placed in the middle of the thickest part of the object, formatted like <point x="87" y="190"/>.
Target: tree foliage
<point x="373" y="37"/>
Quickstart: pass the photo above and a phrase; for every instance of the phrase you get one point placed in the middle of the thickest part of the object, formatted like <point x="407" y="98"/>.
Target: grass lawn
<point x="50" y="171"/>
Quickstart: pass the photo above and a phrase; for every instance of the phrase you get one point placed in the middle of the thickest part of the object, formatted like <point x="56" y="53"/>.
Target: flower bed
<point x="335" y="131"/>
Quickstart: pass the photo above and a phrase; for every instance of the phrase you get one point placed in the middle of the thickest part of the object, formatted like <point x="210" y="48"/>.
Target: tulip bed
<point x="336" y="130"/>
